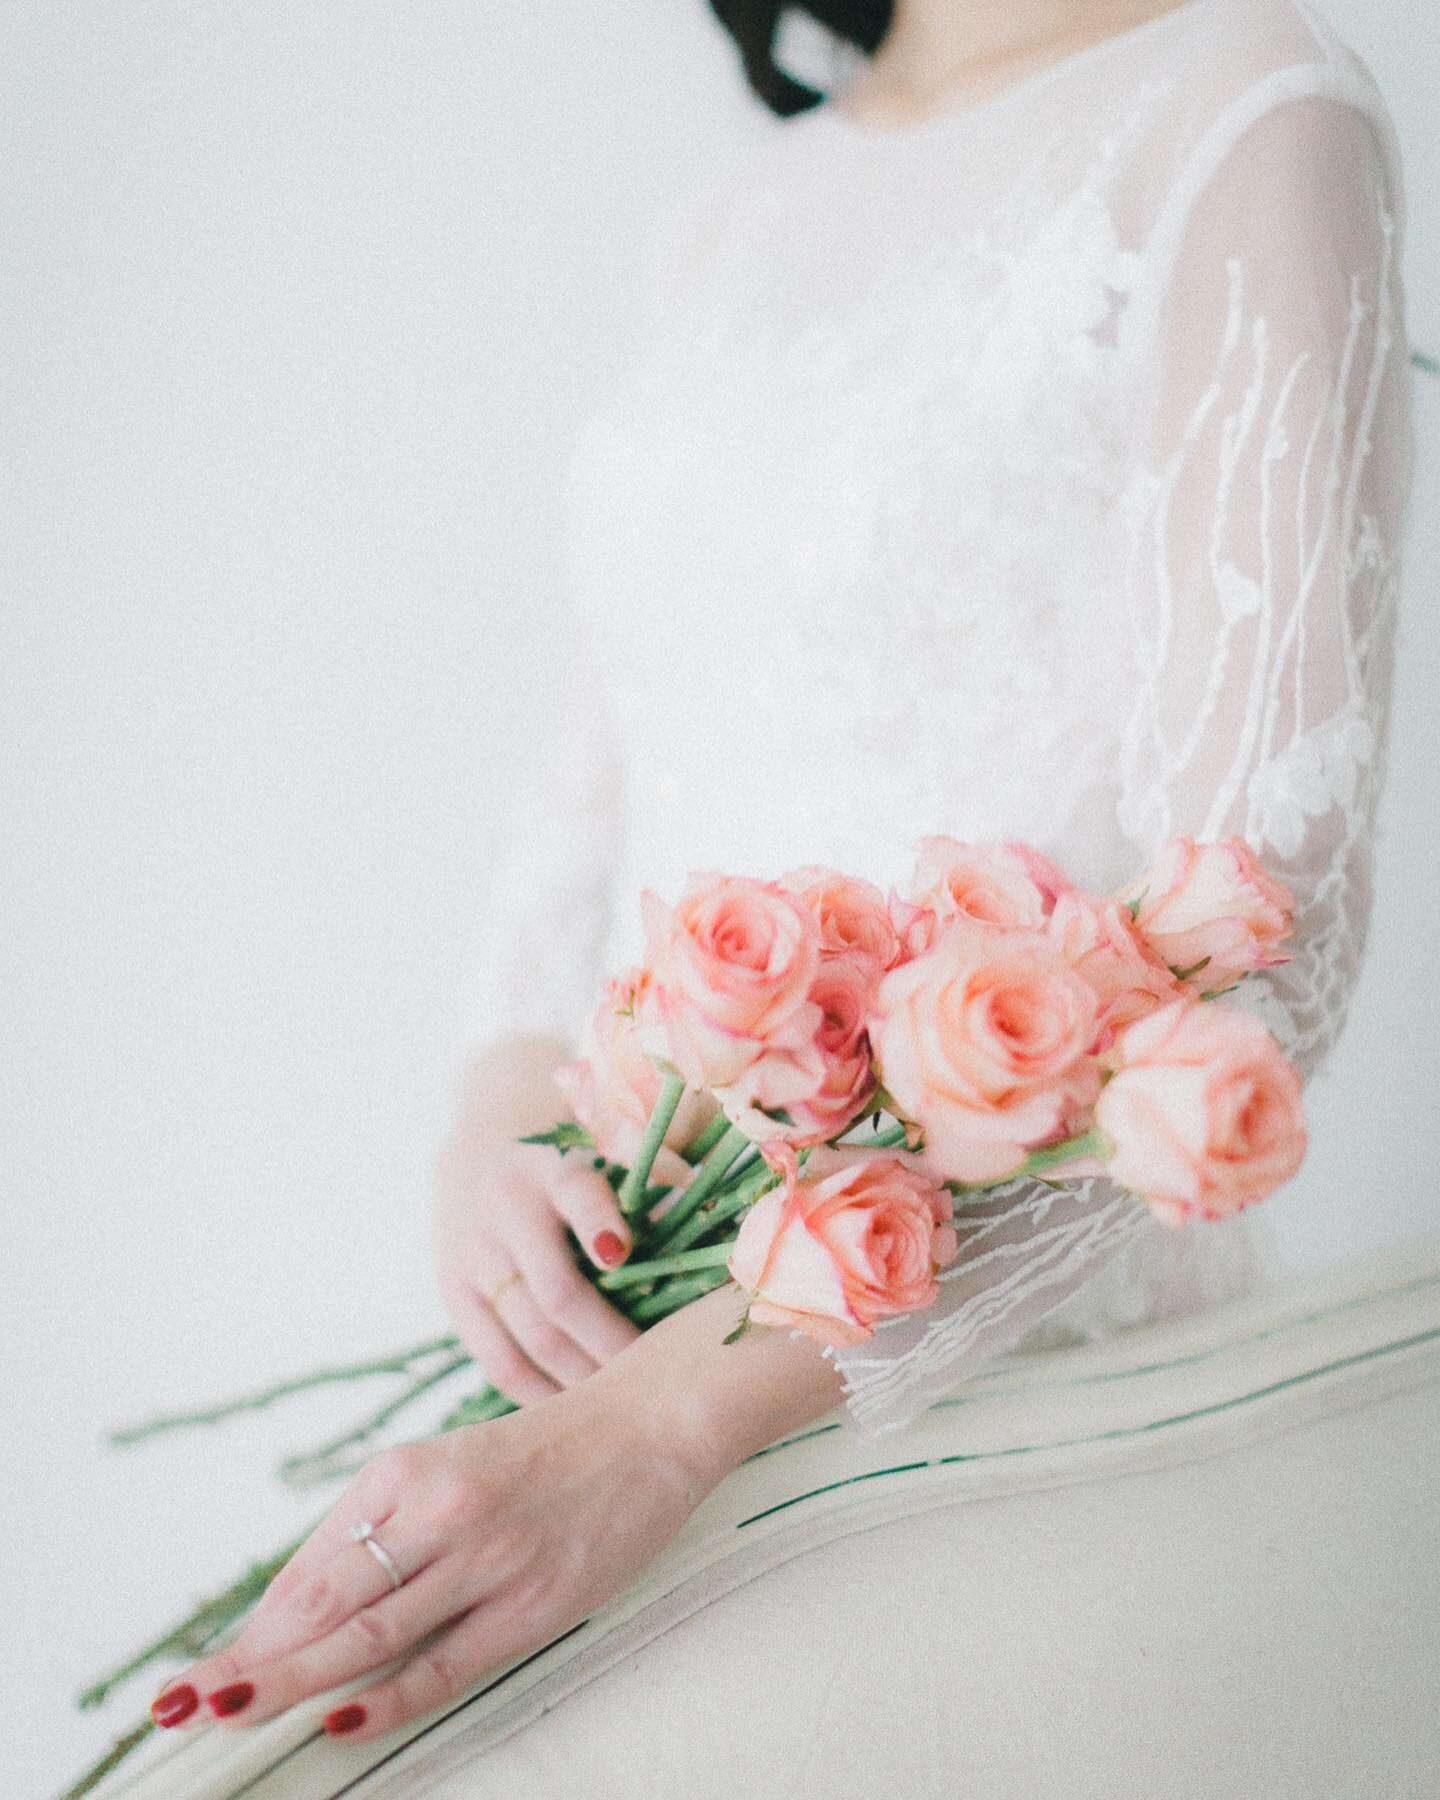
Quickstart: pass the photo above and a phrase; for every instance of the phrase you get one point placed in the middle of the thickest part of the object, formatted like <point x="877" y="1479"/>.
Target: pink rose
<point x="1204" y="1112"/>
<point x="859" y="1239"/>
<point x="916" y="927"/>
<point x="852" y="915"/>
<point x="1097" y="939"/>
<point x="984" y="1042"/>
<point x="732" y="967"/>
<point x="995" y="884"/>
<point x="613" y="1085"/>
<point x="837" y="1082"/>
<point x="1211" y="911"/>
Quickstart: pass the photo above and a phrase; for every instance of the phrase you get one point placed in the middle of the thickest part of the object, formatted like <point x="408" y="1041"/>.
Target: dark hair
<point x="753" y="24"/>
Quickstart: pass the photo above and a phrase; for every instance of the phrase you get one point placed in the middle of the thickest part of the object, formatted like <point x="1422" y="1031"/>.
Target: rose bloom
<point x="834" y="1083"/>
<point x="1211" y="911"/>
<point x="916" y="927"/>
<point x="861" y="1238"/>
<point x="984" y="1042"/>
<point x="1204" y="1112"/>
<point x="1098" y="940"/>
<point x="995" y="884"/>
<point x="852" y="915"/>
<point x="732" y="965"/>
<point x="612" y="1086"/>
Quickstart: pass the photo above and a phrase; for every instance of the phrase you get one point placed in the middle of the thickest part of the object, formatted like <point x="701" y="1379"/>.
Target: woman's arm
<point x="1270" y="486"/>
<point x="511" y="1532"/>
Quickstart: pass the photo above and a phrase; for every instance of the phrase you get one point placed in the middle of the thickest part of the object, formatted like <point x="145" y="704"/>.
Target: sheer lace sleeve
<point x="1267" y="559"/>
<point x="1271" y="480"/>
<point x="536" y="955"/>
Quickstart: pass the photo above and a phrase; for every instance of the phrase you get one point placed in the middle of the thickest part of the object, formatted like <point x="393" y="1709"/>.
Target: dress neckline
<point x="1027" y="84"/>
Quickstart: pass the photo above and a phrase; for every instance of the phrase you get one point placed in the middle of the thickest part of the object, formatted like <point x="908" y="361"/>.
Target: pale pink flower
<point x="852" y="915"/>
<point x="983" y="1041"/>
<point x="860" y="1239"/>
<point x="1204" y="1113"/>
<point x="915" y="926"/>
<point x="612" y="1086"/>
<point x="993" y="884"/>
<point x="1211" y="911"/>
<point x="835" y="1084"/>
<point x="732" y="965"/>
<point x="1098" y="940"/>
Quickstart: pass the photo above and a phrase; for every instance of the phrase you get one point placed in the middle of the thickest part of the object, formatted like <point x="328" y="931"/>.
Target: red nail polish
<point x="610" y="1249"/>
<point x="227" y="1701"/>
<point x="175" y="1705"/>
<point x="343" y="1719"/>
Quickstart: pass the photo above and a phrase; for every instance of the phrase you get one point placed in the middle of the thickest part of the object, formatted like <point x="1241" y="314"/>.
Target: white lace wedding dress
<point x="1034" y="471"/>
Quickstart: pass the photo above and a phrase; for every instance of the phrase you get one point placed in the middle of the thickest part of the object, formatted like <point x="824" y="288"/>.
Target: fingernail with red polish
<point x="175" y="1705"/>
<point x="227" y="1701"/>
<point x="343" y="1719"/>
<point x="610" y="1249"/>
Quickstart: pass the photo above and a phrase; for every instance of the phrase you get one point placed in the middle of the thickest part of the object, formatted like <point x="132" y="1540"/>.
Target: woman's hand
<point x="509" y="1533"/>
<point x="506" y="1265"/>
<point x="506" y="1534"/>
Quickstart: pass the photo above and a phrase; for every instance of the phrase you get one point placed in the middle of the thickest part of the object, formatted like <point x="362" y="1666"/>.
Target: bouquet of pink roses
<point x="1007" y="1022"/>
<point x="735" y="1089"/>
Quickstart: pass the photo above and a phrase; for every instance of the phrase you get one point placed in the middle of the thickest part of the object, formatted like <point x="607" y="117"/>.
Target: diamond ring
<point x="364" y="1533"/>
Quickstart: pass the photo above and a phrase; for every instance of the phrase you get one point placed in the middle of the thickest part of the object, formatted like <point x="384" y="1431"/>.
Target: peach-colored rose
<point x="916" y="927"/>
<point x="984" y="1042"/>
<point x="1204" y="1112"/>
<point x="1098" y="940"/>
<point x="836" y="1084"/>
<point x="732" y="966"/>
<point x="1211" y="911"/>
<point x="852" y="915"/>
<point x="994" y="884"/>
<point x="859" y="1239"/>
<point x="612" y="1086"/>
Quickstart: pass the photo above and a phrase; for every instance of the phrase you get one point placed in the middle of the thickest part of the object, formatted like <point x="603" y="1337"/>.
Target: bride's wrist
<point x="707" y="1405"/>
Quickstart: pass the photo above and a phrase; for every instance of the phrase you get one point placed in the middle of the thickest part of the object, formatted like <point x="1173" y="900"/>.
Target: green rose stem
<point x="677" y="1293"/>
<point x="1087" y="1143"/>
<point x="701" y="1146"/>
<point x="112" y="1759"/>
<point x="301" y="1471"/>
<point x="637" y="1179"/>
<point x="726" y="1150"/>
<point x="399" y="1363"/>
<point x="191" y="1636"/>
<point x="711" y="1256"/>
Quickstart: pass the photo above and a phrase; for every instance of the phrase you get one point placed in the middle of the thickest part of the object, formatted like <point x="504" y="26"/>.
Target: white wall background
<point x="298" y="302"/>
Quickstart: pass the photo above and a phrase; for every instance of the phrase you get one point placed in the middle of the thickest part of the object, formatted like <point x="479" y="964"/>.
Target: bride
<point x="1017" y="445"/>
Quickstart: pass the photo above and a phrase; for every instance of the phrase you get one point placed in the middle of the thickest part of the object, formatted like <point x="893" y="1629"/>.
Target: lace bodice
<point x="1035" y="471"/>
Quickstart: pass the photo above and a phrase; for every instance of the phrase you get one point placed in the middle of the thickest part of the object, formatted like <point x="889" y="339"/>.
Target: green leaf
<point x="742" y="1325"/>
<point x="1194" y="969"/>
<point x="567" y="1135"/>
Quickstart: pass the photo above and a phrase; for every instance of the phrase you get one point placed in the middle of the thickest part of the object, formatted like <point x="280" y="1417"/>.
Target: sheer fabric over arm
<point x="1265" y="518"/>
<point x="1268" y="550"/>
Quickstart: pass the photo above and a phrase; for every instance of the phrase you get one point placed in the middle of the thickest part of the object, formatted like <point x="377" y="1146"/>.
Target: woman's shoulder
<point x="1243" y="60"/>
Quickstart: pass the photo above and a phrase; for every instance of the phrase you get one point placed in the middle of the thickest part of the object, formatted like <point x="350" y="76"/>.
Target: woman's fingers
<point x="372" y="1495"/>
<point x="370" y="1637"/>
<point x="544" y="1341"/>
<point x="496" y="1353"/>
<point x="587" y="1203"/>
<point x="566" y="1300"/>
<point x="490" y="1634"/>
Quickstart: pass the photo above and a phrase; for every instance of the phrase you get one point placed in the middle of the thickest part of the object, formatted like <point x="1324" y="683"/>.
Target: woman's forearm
<point x="718" y="1403"/>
